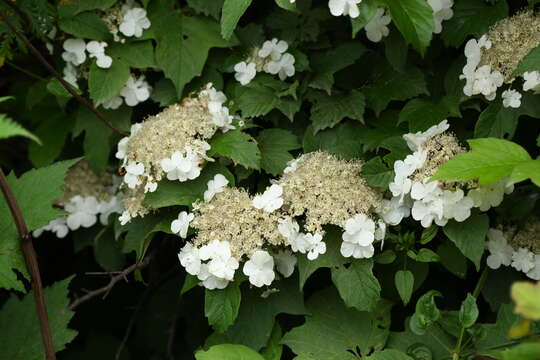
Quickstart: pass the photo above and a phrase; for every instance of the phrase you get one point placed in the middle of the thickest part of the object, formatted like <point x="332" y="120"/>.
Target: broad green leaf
<point x="526" y="170"/>
<point x="183" y="43"/>
<point x="275" y="145"/>
<point x="86" y="25"/>
<point x="221" y="306"/>
<point x="497" y="121"/>
<point x="523" y="351"/>
<point x="328" y="111"/>
<point x="388" y="85"/>
<point x="531" y="62"/>
<point x="71" y="8"/>
<point x="426" y="313"/>
<point x="526" y="296"/>
<point x="228" y="352"/>
<point x="164" y="92"/>
<point x="421" y="114"/>
<point x="496" y="334"/>
<point x="332" y="258"/>
<point x="53" y="132"/>
<point x="103" y="84"/>
<point x="9" y="128"/>
<point x="255" y="334"/>
<point x="466" y="20"/>
<point x="469" y="236"/>
<point x="208" y="8"/>
<point x="396" y="50"/>
<point x="231" y="12"/>
<point x="333" y="331"/>
<point x="260" y="97"/>
<point x="376" y="173"/>
<point x="35" y="191"/>
<point x="428" y="234"/>
<point x="25" y="338"/>
<point x="489" y="161"/>
<point x="452" y="259"/>
<point x="240" y="147"/>
<point x="414" y="19"/>
<point x="139" y="54"/>
<point x="357" y="285"/>
<point x="468" y="313"/>
<point x="341" y="140"/>
<point x="404" y="280"/>
<point x="170" y="193"/>
<point x="273" y="349"/>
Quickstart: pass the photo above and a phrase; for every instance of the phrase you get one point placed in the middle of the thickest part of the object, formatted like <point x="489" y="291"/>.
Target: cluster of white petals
<point x="218" y="111"/>
<point x="215" y="186"/>
<point x="134" y="20"/>
<point x="270" y="200"/>
<point x="344" y="7"/>
<point x="511" y="98"/>
<point x="271" y="58"/>
<point x="310" y="244"/>
<point x="502" y="253"/>
<point x="358" y="237"/>
<point x="531" y="81"/>
<point x="96" y="49"/>
<point x="377" y="27"/>
<point x="442" y="10"/>
<point x="182" y="167"/>
<point x="135" y="90"/>
<point x="180" y="225"/>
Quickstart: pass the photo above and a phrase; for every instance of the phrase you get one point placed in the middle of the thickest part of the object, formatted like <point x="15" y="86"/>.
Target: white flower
<point x="132" y="175"/>
<point x="215" y="186"/>
<point x="210" y="281"/>
<point x="356" y="251"/>
<point x="290" y="231"/>
<point x="134" y="21"/>
<point x="442" y="10"/>
<point x="485" y="197"/>
<point x="96" y="49"/>
<point x="74" y="51"/>
<point x="135" y="90"/>
<point x="113" y="103"/>
<point x="534" y="273"/>
<point x="359" y="230"/>
<point x="344" y="7"/>
<point x="70" y="75"/>
<point x="151" y="183"/>
<point x="106" y="208"/>
<point x="223" y="119"/>
<point x="486" y="82"/>
<point x="182" y="167"/>
<point x="532" y="81"/>
<point x="284" y="67"/>
<point x="215" y="98"/>
<point x="189" y="258"/>
<point x="122" y="148"/>
<point x="315" y="245"/>
<point x="523" y="260"/>
<point x="58" y="226"/>
<point x="380" y="231"/>
<point x="416" y="140"/>
<point x="500" y="253"/>
<point x="273" y="48"/>
<point x="511" y="98"/>
<point x="292" y="165"/>
<point x="394" y="210"/>
<point x="270" y="200"/>
<point x="82" y="212"/>
<point x="376" y="28"/>
<point x="124" y="218"/>
<point x="180" y="226"/>
<point x="260" y="268"/>
<point x="285" y="262"/>
<point x="457" y="206"/>
<point x="222" y="264"/>
<point x="245" y="72"/>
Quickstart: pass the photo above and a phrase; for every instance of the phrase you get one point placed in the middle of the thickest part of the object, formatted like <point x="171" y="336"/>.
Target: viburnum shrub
<point x="270" y="179"/>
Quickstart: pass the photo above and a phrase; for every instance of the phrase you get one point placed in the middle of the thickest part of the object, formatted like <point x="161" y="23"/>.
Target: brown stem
<point x="32" y="266"/>
<point x="54" y="73"/>
<point x="106" y="289"/>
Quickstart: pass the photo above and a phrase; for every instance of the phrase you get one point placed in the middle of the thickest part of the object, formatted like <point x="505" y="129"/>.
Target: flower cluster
<point x="492" y="59"/>
<point x="344" y="7"/>
<point x="128" y="19"/>
<point x="517" y="248"/>
<point x="434" y="201"/>
<point x="377" y="27"/>
<point x="171" y="144"/>
<point x="86" y="197"/>
<point x="442" y="10"/>
<point x="271" y="58"/>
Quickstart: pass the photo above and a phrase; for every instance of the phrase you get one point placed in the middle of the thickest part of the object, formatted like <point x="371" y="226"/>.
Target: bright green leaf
<point x="139" y="54"/>
<point x="526" y="170"/>
<point x="86" y="25"/>
<point x="426" y="313"/>
<point x="468" y="312"/>
<point x="228" y="352"/>
<point x="240" y="147"/>
<point x="230" y="14"/>
<point x="221" y="306"/>
<point x="357" y="285"/>
<point x="9" y="128"/>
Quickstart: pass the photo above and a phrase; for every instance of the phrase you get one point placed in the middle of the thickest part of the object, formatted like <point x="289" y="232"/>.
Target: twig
<point x="32" y="266"/>
<point x="106" y="289"/>
<point x="54" y="73"/>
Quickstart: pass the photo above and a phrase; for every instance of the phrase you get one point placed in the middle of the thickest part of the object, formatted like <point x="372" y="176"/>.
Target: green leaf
<point x="273" y="349"/>
<point x="53" y="133"/>
<point x="35" y="191"/>
<point x="221" y="306"/>
<point x="25" y="338"/>
<point x="334" y="331"/>
<point x="9" y="128"/>
<point x="497" y="121"/>
<point x="86" y="25"/>
<point x="103" y="84"/>
<point x="376" y="173"/>
<point x="260" y="97"/>
<point x="428" y="234"/>
<point x="208" y="8"/>
<point x="414" y="19"/>
<point x="341" y="140"/>
<point x="367" y="11"/>
<point x="183" y="43"/>
<point x="328" y="111"/>
<point x="356" y="285"/>
<point x="489" y="161"/>
<point x="231" y="12"/>
<point x="468" y="313"/>
<point x="275" y="145"/>
<point x="71" y="8"/>
<point x="452" y="259"/>
<point x="389" y="85"/>
<point x="525" y="295"/>
<point x="240" y="147"/>
<point x="424" y="255"/>
<point x="255" y="334"/>
<point x="466" y="21"/>
<point x="426" y="313"/>
<point x="139" y="54"/>
<point x="396" y="50"/>
<point x="389" y="354"/>
<point x="496" y="334"/>
<point x="523" y="351"/>
<point x="404" y="280"/>
<point x="228" y="352"/>
<point x="332" y="258"/>
<point x="170" y="193"/>
<point x="526" y="170"/>
<point x="469" y="236"/>
<point x="421" y="114"/>
<point x="164" y="92"/>
<point x="531" y="62"/>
